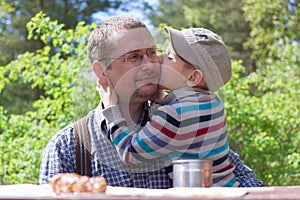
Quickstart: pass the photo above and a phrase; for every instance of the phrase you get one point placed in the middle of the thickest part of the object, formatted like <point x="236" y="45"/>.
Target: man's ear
<point x="98" y="70"/>
<point x="195" y="78"/>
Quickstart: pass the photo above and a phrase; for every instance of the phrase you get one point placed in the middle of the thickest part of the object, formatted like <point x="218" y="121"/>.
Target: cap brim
<point x="182" y="48"/>
<point x="201" y="59"/>
<point x="177" y="39"/>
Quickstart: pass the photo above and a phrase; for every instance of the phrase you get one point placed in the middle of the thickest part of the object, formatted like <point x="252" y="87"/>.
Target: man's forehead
<point x="129" y="40"/>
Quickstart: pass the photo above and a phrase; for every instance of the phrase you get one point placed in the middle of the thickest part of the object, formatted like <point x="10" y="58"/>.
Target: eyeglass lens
<point x="136" y="57"/>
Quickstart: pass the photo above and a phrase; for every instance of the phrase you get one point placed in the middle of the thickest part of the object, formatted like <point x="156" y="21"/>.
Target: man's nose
<point x="146" y="63"/>
<point x="145" y="58"/>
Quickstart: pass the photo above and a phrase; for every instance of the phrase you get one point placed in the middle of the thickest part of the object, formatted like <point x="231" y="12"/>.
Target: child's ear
<point x="195" y="78"/>
<point x="98" y="70"/>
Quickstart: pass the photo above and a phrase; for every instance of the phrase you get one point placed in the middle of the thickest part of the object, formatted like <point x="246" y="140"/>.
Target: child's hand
<point x="159" y="96"/>
<point x="107" y="94"/>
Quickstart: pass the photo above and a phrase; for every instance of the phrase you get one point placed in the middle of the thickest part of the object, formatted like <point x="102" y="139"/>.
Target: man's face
<point x="134" y="80"/>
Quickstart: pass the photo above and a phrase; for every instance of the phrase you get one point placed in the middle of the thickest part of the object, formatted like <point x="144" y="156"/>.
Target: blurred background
<point x="46" y="80"/>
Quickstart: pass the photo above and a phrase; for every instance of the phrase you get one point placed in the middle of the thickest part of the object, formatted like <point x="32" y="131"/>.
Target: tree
<point x="274" y="24"/>
<point x="24" y="136"/>
<point x="18" y="97"/>
<point x="275" y="90"/>
<point x="262" y="107"/>
<point x="5" y="8"/>
<point x="68" y="12"/>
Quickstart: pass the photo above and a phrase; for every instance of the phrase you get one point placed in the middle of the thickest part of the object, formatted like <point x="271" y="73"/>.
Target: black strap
<point x="83" y="148"/>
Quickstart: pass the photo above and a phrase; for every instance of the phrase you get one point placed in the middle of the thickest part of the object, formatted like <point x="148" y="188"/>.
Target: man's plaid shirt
<point x="60" y="157"/>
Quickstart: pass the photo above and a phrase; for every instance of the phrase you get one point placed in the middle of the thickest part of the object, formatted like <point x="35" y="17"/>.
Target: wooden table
<point x="282" y="192"/>
<point x="19" y="192"/>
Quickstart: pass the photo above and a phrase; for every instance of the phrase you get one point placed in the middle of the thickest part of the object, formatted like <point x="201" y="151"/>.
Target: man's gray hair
<point x="100" y="44"/>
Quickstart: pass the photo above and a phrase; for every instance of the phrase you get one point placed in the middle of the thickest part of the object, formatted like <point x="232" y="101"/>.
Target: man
<point x="122" y="51"/>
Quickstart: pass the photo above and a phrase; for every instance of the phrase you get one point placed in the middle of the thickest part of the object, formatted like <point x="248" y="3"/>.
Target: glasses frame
<point x="149" y="52"/>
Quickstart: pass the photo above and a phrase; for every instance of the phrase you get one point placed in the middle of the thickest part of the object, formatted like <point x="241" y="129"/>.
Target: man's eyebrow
<point x="153" y="47"/>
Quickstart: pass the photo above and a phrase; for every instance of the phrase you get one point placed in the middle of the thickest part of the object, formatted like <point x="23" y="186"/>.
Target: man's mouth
<point x="148" y="79"/>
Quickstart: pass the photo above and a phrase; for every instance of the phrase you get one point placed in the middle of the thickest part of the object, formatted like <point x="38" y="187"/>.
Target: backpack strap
<point x="83" y="148"/>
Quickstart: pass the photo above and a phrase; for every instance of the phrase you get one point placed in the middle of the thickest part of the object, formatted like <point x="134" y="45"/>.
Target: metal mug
<point x="192" y="173"/>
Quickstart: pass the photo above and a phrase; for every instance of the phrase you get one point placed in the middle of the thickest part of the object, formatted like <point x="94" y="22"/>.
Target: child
<point x="191" y="123"/>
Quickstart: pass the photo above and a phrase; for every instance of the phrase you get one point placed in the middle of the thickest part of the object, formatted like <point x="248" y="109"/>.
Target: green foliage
<point x="272" y="138"/>
<point x="17" y="97"/>
<point x="222" y="17"/>
<point x="15" y="14"/>
<point x="262" y="108"/>
<point x="60" y="75"/>
<point x="273" y="23"/>
<point x="264" y="125"/>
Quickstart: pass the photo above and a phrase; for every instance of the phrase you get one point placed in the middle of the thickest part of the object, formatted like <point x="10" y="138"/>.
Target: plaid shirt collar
<point x="102" y="125"/>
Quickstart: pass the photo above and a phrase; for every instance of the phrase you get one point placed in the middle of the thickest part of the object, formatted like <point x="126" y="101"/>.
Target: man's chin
<point x="146" y="91"/>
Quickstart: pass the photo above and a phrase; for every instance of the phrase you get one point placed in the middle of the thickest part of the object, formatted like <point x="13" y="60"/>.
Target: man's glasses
<point x="135" y="57"/>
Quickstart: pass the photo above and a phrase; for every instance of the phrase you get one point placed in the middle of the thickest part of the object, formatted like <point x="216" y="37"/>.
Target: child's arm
<point x="156" y="139"/>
